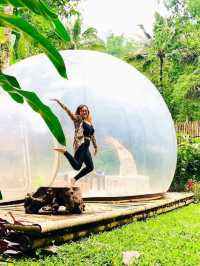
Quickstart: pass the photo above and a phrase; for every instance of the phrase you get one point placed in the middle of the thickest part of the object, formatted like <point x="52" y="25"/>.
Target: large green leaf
<point x="60" y="30"/>
<point x="48" y="116"/>
<point x="16" y="3"/>
<point x="38" y="7"/>
<point x="12" y="80"/>
<point x="50" y="50"/>
<point x="8" y="84"/>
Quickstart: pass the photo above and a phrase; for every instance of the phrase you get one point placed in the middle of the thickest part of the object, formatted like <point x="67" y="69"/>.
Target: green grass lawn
<point x="168" y="239"/>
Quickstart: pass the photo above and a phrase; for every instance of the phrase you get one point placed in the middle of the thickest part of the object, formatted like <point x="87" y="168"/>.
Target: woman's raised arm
<point x="73" y="116"/>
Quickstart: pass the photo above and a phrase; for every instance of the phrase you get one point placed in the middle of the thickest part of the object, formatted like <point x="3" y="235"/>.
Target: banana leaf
<point x="7" y="86"/>
<point x="40" y="8"/>
<point x="12" y="87"/>
<point x="22" y="25"/>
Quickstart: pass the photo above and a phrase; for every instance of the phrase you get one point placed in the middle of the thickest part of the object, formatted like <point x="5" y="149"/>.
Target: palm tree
<point x="87" y="39"/>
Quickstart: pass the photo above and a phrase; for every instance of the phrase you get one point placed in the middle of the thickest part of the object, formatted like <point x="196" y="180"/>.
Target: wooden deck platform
<point x="42" y="229"/>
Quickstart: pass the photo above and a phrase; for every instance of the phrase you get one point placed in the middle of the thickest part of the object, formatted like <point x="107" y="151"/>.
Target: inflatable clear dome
<point x="134" y="129"/>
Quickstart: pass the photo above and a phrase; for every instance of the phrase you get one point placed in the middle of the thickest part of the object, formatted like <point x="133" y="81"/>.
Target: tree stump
<point x="52" y="198"/>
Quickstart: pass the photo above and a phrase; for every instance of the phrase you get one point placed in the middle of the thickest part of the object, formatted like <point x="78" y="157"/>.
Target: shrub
<point x="188" y="163"/>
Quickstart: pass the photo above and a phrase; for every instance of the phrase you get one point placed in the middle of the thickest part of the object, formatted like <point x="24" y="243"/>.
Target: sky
<point x="120" y="16"/>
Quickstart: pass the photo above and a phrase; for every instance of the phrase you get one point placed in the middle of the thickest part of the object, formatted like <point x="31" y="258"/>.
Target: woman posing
<point x="84" y="134"/>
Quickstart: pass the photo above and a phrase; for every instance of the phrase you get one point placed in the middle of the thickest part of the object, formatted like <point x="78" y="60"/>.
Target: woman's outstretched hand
<point x="55" y="100"/>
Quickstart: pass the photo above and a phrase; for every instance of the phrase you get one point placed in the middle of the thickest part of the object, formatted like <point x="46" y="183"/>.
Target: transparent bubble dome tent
<point x="134" y="129"/>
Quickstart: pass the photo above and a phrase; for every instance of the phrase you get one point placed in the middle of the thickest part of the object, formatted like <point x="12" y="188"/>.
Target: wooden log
<point x="50" y="199"/>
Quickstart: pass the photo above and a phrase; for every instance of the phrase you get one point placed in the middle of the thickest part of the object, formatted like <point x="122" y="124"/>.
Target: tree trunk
<point x="161" y="56"/>
<point x="5" y="44"/>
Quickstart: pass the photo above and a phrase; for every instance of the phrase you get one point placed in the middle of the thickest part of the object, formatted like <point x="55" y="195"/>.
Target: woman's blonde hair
<point x="89" y="118"/>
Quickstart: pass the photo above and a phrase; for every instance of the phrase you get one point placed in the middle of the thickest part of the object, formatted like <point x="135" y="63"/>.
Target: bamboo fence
<point x="191" y="128"/>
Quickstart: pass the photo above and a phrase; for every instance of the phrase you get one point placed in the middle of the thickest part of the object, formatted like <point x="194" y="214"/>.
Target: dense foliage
<point x="188" y="163"/>
<point x="172" y="58"/>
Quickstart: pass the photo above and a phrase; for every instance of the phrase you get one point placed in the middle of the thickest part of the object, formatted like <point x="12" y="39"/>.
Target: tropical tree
<point x="9" y="83"/>
<point x="120" y="46"/>
<point x="171" y="58"/>
<point x="83" y="39"/>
